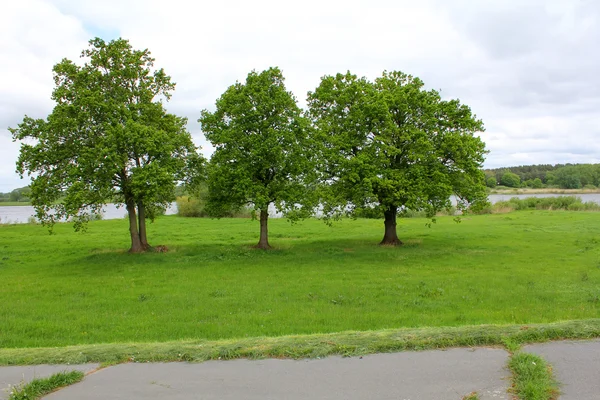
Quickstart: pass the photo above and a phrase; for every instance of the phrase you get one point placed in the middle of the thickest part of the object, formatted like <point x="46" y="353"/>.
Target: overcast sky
<point x="529" y="68"/>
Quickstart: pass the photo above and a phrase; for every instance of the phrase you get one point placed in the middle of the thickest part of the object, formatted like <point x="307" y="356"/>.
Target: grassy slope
<point x="517" y="268"/>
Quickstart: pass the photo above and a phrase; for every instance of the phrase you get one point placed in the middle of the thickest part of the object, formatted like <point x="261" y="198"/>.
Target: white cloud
<point x="527" y="68"/>
<point x="35" y="36"/>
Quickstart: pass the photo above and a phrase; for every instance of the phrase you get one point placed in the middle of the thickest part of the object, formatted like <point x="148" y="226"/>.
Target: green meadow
<point x="73" y="288"/>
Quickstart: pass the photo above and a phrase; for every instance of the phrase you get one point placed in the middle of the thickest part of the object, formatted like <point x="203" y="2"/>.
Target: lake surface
<point x="21" y="214"/>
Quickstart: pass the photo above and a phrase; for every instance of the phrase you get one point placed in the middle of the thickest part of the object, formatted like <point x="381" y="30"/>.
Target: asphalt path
<point x="576" y="365"/>
<point x="423" y="375"/>
<point x="12" y="376"/>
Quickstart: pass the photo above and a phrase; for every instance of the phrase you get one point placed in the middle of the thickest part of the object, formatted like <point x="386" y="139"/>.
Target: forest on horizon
<point x="563" y="176"/>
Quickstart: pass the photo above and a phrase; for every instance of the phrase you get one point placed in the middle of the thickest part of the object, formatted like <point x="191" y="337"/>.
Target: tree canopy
<point x="393" y="146"/>
<point x="108" y="139"/>
<point x="511" y="180"/>
<point x="261" y="153"/>
<point x="17" y="195"/>
<point x="564" y="176"/>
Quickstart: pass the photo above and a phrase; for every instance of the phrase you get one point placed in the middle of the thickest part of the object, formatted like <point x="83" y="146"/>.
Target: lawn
<point x="72" y="288"/>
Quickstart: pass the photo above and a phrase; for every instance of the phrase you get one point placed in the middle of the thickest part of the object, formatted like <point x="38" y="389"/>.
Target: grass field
<point x="71" y="288"/>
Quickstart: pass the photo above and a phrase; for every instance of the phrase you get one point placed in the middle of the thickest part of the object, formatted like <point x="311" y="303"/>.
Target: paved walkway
<point x="11" y="376"/>
<point x="427" y="375"/>
<point x="576" y="365"/>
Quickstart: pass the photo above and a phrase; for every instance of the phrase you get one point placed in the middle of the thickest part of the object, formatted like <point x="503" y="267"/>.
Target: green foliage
<point x="181" y="190"/>
<point x="532" y="377"/>
<point x="188" y="206"/>
<point x="38" y="388"/>
<point x="510" y="180"/>
<point x="368" y="212"/>
<point x="14" y="196"/>
<point x="20" y="195"/>
<point x="392" y="144"/>
<point x="537" y="183"/>
<point x="576" y="176"/>
<point x="525" y="172"/>
<point x="491" y="182"/>
<point x="108" y="138"/>
<point x="570" y="203"/>
<point x="262" y="148"/>
<point x="17" y="195"/>
<point x="565" y="176"/>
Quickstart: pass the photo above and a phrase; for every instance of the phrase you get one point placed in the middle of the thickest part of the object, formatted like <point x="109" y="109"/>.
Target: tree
<point x="20" y="194"/>
<point x="15" y="195"/>
<point x="261" y="153"/>
<point x="568" y="177"/>
<point x="510" y="179"/>
<point x="576" y="176"/>
<point x="392" y="145"/>
<point x="108" y="138"/>
<point x="526" y="172"/>
<point x="490" y="182"/>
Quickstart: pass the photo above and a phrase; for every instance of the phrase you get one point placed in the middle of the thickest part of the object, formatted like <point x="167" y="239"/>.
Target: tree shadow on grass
<point x="291" y="251"/>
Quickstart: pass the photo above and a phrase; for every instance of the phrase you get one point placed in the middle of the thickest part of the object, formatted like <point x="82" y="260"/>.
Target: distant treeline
<point x="17" y="195"/>
<point x="564" y="176"/>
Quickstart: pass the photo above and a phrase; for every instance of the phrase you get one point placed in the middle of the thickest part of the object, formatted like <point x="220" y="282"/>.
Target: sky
<point x="528" y="68"/>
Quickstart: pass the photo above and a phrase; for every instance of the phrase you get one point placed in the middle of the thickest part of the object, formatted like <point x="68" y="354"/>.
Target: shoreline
<point x="544" y="191"/>
<point x="516" y="191"/>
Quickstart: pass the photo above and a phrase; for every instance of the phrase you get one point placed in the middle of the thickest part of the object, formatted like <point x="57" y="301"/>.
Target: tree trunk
<point x="142" y="224"/>
<point x="390" y="237"/>
<point x="263" y="243"/>
<point x="136" y="244"/>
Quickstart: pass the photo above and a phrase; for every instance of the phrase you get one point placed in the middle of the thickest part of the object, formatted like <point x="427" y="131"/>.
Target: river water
<point x="21" y="214"/>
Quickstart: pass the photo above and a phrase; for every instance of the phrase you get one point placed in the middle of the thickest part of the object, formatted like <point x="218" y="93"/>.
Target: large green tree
<point x="393" y="146"/>
<point x="511" y="180"/>
<point x="108" y="139"/>
<point x="261" y="153"/>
